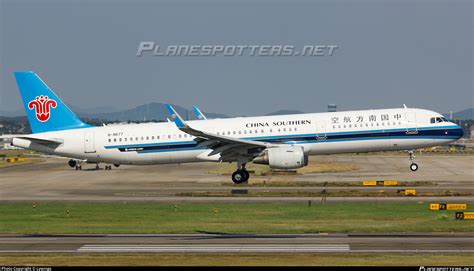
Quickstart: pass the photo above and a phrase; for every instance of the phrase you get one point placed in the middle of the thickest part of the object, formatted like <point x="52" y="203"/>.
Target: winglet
<point x="175" y="117"/>
<point x="198" y="113"/>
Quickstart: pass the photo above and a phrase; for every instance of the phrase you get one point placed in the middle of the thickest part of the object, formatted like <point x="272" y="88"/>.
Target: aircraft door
<point x="412" y="127"/>
<point x="89" y="142"/>
<point x="321" y="130"/>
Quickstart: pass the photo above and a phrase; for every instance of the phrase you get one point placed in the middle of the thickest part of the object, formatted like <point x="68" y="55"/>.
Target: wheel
<point x="116" y="165"/>
<point x="246" y="173"/>
<point x="72" y="163"/>
<point x="239" y="176"/>
<point x="413" y="167"/>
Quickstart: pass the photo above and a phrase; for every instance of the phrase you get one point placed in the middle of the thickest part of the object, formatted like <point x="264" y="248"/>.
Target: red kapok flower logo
<point x="42" y="105"/>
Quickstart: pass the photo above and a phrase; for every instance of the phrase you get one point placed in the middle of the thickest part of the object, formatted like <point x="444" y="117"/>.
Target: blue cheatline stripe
<point x="148" y="144"/>
<point x="423" y="133"/>
<point x="307" y="142"/>
<point x="287" y="136"/>
<point x="376" y="138"/>
<point x="173" y="150"/>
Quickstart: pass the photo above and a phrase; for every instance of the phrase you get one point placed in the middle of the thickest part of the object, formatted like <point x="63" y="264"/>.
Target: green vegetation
<point x="132" y="259"/>
<point x="4" y="154"/>
<point x="149" y="217"/>
<point x="262" y="170"/>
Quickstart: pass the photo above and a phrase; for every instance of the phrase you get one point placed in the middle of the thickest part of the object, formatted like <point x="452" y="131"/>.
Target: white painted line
<point x="215" y="248"/>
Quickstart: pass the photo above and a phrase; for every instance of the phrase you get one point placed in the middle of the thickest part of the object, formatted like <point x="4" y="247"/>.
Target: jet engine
<point x="285" y="157"/>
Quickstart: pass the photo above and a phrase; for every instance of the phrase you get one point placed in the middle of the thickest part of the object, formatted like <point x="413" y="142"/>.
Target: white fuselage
<point x="318" y="133"/>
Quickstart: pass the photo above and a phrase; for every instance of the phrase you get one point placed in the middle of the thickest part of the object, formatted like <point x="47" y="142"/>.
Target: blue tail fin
<point x="45" y="111"/>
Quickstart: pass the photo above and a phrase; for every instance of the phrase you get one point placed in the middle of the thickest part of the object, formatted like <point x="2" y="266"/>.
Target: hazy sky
<point x="390" y="53"/>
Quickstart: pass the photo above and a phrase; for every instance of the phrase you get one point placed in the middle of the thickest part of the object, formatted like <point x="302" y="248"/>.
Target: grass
<point x="262" y="170"/>
<point x="18" y="153"/>
<point x="347" y="259"/>
<point x="149" y="217"/>
<point x="27" y="161"/>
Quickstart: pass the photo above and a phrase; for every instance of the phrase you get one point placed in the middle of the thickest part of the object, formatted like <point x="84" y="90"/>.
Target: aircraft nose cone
<point x="457" y="132"/>
<point x="460" y="132"/>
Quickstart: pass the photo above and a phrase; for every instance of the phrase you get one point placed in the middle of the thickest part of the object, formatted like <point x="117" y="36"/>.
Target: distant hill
<point x="157" y="111"/>
<point x="151" y="111"/>
<point x="466" y="114"/>
<point x="94" y="110"/>
<point x="16" y="113"/>
<point x="146" y="112"/>
<point x="284" y="112"/>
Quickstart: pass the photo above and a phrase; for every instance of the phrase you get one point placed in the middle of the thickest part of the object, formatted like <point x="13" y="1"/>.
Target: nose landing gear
<point x="413" y="165"/>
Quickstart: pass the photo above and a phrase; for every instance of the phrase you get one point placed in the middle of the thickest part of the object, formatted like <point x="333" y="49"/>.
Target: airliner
<point x="282" y="142"/>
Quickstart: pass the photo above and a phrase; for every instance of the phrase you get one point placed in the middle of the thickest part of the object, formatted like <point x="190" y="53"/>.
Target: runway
<point x="53" y="180"/>
<point x="239" y="243"/>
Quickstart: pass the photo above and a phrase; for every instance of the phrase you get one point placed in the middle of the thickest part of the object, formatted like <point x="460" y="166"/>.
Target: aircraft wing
<point x="199" y="113"/>
<point x="229" y="148"/>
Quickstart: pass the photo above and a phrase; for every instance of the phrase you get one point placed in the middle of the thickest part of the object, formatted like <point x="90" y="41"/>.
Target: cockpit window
<point x="438" y="119"/>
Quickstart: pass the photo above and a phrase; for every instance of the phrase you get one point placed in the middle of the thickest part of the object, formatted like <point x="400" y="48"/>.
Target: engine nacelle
<point x="285" y="157"/>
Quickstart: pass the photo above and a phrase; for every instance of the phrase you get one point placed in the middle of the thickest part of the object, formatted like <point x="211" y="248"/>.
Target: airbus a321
<point x="282" y="142"/>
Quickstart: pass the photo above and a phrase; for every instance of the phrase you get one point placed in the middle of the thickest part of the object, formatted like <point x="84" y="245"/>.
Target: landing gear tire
<point x="240" y="176"/>
<point x="72" y="163"/>
<point x="413" y="167"/>
<point x="246" y="173"/>
<point x="109" y="167"/>
<point x="78" y="167"/>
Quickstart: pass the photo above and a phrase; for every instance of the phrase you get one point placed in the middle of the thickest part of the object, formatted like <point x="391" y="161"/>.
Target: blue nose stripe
<point x="458" y="132"/>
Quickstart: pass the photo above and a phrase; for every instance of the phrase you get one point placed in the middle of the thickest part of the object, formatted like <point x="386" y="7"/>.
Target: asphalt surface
<point x="238" y="243"/>
<point x="53" y="180"/>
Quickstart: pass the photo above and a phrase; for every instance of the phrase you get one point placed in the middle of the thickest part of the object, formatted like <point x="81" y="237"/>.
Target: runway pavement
<point x="53" y="180"/>
<point x="238" y="243"/>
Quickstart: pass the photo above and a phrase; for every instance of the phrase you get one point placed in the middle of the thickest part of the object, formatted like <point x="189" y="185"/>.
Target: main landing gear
<point x="241" y="175"/>
<point x="413" y="165"/>
<point x="109" y="167"/>
<point x="75" y="164"/>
